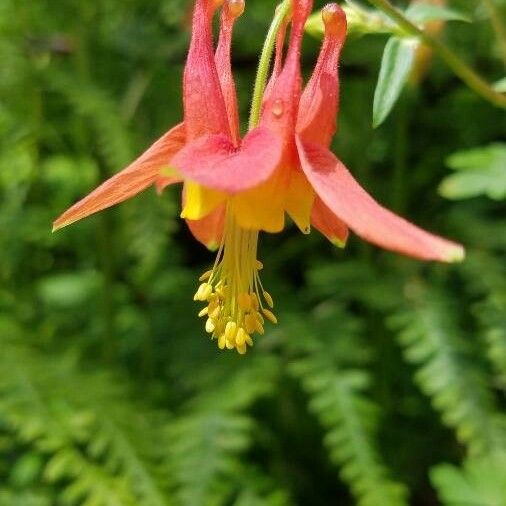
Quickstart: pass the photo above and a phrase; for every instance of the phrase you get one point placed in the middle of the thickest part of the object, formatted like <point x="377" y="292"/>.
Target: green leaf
<point x="424" y="13"/>
<point x="480" y="481"/>
<point x="395" y="67"/>
<point x="482" y="171"/>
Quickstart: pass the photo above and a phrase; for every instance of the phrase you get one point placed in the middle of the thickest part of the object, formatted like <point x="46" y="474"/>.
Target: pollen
<point x="237" y="304"/>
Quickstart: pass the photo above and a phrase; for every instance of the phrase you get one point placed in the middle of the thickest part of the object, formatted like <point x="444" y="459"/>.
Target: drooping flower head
<point x="234" y="188"/>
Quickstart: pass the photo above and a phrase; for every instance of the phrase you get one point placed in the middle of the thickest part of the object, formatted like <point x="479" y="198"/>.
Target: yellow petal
<point x="263" y="207"/>
<point x="200" y="201"/>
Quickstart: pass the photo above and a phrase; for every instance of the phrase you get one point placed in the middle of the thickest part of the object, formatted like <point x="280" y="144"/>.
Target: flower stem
<point x="264" y="63"/>
<point x="459" y="67"/>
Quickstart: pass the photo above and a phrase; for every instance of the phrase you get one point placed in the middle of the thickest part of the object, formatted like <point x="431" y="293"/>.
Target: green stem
<point x="265" y="60"/>
<point x="459" y="67"/>
<point x="499" y="28"/>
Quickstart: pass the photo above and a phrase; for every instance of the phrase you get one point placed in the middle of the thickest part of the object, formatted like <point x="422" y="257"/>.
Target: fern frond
<point x="485" y="274"/>
<point x="258" y="489"/>
<point x="83" y="424"/>
<point x="447" y="371"/>
<point x="492" y="316"/>
<point x="96" y="107"/>
<point x="20" y="498"/>
<point x="338" y="398"/>
<point x="207" y="441"/>
<point x="480" y="482"/>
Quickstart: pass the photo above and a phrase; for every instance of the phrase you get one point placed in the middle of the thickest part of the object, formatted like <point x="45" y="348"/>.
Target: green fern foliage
<point x="12" y="498"/>
<point x="207" y="441"/>
<point x="337" y="386"/>
<point x="479" y="482"/>
<point x="458" y="386"/>
<point x="110" y="394"/>
<point x="492" y="315"/>
<point x="79" y="426"/>
<point x="486" y="276"/>
<point x="88" y="102"/>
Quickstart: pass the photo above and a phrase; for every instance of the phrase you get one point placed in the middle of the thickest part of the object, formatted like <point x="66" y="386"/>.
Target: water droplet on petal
<point x="278" y="108"/>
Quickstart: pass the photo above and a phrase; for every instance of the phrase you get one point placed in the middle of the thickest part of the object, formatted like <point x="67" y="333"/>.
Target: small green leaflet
<point x="396" y="65"/>
<point x="481" y="171"/>
<point x="424" y="13"/>
<point x="481" y="481"/>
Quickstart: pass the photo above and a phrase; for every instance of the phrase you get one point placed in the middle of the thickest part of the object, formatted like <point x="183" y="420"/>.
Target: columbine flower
<point x="234" y="188"/>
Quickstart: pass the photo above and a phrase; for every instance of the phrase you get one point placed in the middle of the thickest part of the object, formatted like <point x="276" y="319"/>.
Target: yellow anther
<point x="207" y="292"/>
<point x="249" y="341"/>
<point x="269" y="315"/>
<point x="204" y="312"/>
<point x="259" y="328"/>
<point x="242" y="349"/>
<point x="200" y="291"/>
<point x="259" y="317"/>
<point x="259" y="265"/>
<point x="230" y="331"/>
<point x="204" y="292"/>
<point x="222" y="342"/>
<point x="250" y="323"/>
<point x="244" y="301"/>
<point x="205" y="276"/>
<point x="210" y="326"/>
<point x="229" y="344"/>
<point x="240" y="338"/>
<point x="268" y="299"/>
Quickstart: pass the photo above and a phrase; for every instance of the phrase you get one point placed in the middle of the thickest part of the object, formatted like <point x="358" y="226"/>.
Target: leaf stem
<point x="459" y="67"/>
<point x="264" y="63"/>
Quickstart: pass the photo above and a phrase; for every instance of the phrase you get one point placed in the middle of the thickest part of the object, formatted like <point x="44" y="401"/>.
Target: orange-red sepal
<point x="140" y="174"/>
<point x="209" y="230"/>
<point x="351" y="203"/>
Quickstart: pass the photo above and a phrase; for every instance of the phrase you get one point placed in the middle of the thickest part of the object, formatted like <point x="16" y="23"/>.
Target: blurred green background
<point x="384" y="382"/>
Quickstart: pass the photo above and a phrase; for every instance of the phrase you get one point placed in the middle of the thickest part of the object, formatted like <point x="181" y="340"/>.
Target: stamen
<point x="233" y="291"/>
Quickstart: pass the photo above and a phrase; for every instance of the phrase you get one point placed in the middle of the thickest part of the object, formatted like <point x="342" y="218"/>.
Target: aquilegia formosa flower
<point x="234" y="188"/>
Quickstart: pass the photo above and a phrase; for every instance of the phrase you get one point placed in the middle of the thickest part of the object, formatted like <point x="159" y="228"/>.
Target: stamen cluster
<point x="237" y="304"/>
